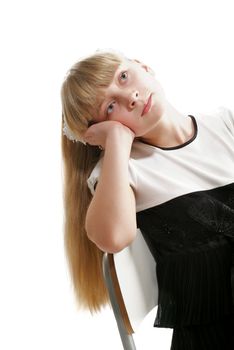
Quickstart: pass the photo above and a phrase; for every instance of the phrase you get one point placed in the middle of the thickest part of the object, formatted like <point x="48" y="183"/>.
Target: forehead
<point x="127" y="63"/>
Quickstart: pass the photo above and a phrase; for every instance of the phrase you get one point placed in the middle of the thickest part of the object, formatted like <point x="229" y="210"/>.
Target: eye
<point x="124" y="75"/>
<point x="110" y="108"/>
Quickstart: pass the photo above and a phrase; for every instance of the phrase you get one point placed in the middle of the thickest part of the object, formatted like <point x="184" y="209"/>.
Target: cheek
<point x="120" y="115"/>
<point x="159" y="102"/>
<point x="125" y="118"/>
<point x="159" y="89"/>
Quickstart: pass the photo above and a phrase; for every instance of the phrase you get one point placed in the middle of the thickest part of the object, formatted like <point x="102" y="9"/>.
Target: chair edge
<point x="117" y="300"/>
<point x="119" y="295"/>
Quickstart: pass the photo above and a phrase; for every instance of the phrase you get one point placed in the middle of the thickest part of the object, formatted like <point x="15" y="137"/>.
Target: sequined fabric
<point x="192" y="240"/>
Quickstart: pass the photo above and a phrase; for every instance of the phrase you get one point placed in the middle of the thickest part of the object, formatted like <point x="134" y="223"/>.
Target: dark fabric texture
<point x="192" y="240"/>
<point x="215" y="336"/>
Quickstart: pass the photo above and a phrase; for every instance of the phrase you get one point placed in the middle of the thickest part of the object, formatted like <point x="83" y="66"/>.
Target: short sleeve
<point x="227" y="116"/>
<point x="94" y="176"/>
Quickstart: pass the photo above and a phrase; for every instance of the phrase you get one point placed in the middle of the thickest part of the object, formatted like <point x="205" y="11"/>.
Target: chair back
<point x="130" y="277"/>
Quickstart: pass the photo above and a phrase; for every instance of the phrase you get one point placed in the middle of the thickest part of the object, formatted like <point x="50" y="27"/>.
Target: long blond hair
<point x="81" y="95"/>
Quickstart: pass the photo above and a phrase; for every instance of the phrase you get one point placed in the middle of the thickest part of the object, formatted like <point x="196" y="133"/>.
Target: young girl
<point x="132" y="160"/>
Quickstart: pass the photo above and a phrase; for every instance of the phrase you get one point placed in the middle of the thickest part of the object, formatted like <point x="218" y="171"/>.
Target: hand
<point x="98" y="133"/>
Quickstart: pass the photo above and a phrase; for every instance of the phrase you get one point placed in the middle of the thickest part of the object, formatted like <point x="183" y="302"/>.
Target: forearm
<point x="111" y="216"/>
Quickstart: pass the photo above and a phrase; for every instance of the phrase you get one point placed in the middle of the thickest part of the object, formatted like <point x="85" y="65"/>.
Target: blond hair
<point x="81" y="95"/>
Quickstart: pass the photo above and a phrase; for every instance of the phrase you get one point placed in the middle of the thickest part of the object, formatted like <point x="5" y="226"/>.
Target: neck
<point x="172" y="129"/>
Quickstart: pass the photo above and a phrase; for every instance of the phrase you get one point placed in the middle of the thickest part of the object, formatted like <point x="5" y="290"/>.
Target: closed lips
<point x="147" y="106"/>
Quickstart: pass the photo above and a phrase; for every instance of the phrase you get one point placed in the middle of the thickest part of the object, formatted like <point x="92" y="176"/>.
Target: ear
<point x="144" y="66"/>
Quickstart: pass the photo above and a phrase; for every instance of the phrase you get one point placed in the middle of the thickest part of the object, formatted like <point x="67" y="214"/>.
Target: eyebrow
<point x="101" y="107"/>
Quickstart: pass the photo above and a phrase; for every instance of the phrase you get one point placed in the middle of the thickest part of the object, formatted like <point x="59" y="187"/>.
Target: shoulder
<point x="221" y="116"/>
<point x="227" y="116"/>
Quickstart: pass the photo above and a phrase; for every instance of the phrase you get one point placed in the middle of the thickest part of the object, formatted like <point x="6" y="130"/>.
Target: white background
<point x="189" y="44"/>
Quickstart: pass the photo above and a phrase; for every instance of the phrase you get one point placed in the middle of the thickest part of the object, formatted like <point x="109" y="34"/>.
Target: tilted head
<point x="82" y="91"/>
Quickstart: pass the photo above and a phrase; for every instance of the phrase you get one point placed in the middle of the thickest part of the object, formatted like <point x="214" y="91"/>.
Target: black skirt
<point x="192" y="240"/>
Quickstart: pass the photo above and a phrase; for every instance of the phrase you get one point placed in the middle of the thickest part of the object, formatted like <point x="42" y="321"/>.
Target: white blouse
<point x="206" y="161"/>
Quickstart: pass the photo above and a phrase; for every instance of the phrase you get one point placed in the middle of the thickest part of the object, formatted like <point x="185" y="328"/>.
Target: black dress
<point x="185" y="211"/>
<point x="191" y="238"/>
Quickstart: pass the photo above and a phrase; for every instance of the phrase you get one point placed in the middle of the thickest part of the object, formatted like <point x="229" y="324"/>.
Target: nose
<point x="134" y="95"/>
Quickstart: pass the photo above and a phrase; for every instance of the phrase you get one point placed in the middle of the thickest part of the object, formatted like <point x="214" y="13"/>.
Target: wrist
<point x="120" y="134"/>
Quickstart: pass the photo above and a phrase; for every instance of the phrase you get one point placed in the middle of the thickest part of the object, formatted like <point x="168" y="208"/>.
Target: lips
<point x="147" y="105"/>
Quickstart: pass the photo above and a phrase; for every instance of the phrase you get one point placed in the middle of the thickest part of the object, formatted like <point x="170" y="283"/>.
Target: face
<point x="126" y="98"/>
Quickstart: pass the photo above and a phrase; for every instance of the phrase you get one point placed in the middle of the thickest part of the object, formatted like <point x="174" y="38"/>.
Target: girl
<point x="132" y="160"/>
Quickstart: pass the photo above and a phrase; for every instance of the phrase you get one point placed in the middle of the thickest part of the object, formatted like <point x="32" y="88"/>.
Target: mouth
<point x="147" y="106"/>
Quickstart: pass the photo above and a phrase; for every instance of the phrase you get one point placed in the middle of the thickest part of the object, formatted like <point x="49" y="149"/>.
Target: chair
<point x="131" y="281"/>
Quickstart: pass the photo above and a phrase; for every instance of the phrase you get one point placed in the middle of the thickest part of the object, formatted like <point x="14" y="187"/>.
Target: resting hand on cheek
<point x="98" y="133"/>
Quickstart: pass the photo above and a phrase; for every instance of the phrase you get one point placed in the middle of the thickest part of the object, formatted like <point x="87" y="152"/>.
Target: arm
<point x="111" y="216"/>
